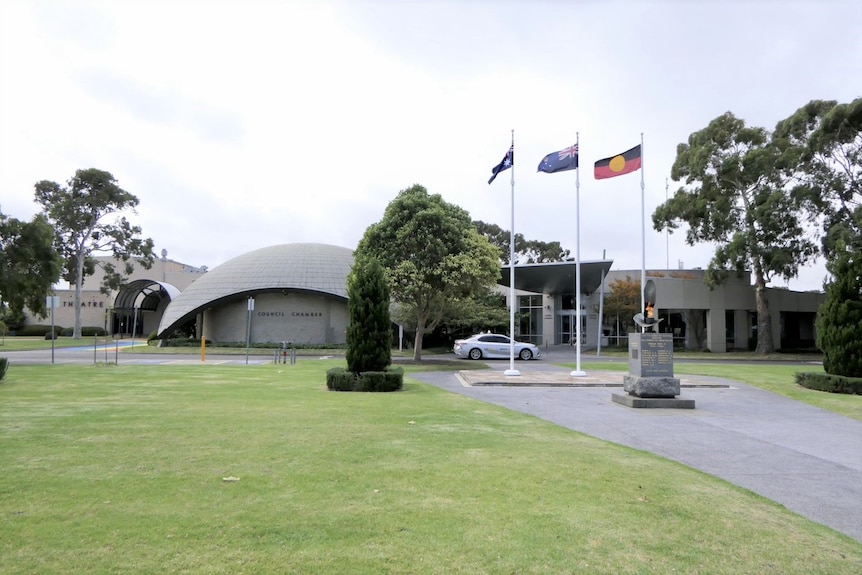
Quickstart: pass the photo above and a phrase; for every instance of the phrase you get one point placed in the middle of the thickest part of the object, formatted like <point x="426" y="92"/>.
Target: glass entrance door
<point x="566" y="332"/>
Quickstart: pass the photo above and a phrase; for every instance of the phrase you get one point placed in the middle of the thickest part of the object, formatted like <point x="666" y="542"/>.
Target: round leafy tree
<point x="433" y="256"/>
<point x="369" y="331"/>
<point x="839" y="323"/>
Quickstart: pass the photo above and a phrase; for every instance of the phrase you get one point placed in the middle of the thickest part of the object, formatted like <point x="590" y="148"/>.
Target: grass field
<point x="30" y="343"/>
<point x="259" y="469"/>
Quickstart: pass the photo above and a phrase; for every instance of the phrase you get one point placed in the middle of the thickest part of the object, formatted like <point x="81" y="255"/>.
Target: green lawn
<point x="259" y="469"/>
<point x="33" y="343"/>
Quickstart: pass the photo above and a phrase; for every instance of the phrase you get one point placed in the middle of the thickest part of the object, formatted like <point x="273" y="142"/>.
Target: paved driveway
<point x="806" y="458"/>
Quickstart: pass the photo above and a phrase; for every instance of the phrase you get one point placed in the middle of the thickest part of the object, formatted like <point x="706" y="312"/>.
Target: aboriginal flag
<point x="628" y="161"/>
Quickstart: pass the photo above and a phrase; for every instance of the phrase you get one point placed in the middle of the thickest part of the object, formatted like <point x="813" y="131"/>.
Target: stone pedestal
<point x="651" y="386"/>
<point x="650" y="377"/>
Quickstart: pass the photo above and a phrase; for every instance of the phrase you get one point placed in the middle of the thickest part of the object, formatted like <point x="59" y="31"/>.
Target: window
<point x="530" y="319"/>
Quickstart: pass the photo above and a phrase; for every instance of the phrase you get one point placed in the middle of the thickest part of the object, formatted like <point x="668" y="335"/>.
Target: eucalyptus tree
<point x="735" y="195"/>
<point x="526" y="251"/>
<point x="825" y="141"/>
<point x="86" y="215"/>
<point x="433" y="257"/>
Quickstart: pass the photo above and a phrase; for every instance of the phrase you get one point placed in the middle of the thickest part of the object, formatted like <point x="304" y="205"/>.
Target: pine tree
<point x="369" y="331"/>
<point x="839" y="323"/>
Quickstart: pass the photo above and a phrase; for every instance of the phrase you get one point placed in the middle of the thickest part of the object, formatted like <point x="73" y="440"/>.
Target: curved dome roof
<point x="313" y="267"/>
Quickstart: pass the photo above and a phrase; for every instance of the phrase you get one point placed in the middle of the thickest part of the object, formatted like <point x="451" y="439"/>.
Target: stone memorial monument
<point x="650" y="381"/>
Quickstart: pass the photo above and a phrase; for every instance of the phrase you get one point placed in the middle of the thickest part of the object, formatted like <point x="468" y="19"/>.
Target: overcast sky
<point x="241" y="125"/>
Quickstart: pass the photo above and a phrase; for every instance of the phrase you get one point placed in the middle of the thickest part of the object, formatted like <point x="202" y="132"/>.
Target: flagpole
<point x="578" y="372"/>
<point x="666" y="231"/>
<point x="601" y="310"/>
<point x="512" y="302"/>
<point x="643" y="234"/>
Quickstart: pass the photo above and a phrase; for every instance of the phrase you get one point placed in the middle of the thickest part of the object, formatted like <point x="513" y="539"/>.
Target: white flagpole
<point x="643" y="233"/>
<point x="578" y="372"/>
<point x="601" y="310"/>
<point x="666" y="228"/>
<point x="512" y="301"/>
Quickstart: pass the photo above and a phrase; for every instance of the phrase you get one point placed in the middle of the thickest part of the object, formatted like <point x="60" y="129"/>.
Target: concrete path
<point x="803" y="457"/>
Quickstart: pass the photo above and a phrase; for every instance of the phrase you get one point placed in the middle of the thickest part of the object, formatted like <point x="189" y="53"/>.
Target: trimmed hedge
<point x="830" y="383"/>
<point x="339" y="379"/>
<point x="86" y="331"/>
<point x="186" y="342"/>
<point x="37" y="330"/>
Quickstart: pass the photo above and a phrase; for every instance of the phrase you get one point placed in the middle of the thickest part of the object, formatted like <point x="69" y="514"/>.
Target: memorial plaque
<point x="651" y="354"/>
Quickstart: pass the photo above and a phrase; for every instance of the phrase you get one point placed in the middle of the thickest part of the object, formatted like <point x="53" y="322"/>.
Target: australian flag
<point x="566" y="159"/>
<point x="507" y="162"/>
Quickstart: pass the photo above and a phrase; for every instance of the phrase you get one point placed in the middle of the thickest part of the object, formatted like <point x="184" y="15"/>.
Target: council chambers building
<point x="298" y="293"/>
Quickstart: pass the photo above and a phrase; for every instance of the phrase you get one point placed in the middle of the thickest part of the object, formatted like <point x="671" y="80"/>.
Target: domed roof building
<point x="296" y="292"/>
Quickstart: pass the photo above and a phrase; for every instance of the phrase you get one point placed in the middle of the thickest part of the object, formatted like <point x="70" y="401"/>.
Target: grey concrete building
<point x="298" y="293"/>
<point x="136" y="308"/>
<point x="720" y="319"/>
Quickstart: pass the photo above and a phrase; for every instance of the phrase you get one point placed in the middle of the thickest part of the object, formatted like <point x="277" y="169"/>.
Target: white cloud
<point x="244" y="124"/>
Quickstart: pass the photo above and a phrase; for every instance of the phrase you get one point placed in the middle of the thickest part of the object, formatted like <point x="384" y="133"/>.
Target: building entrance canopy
<point x="557" y="277"/>
<point x="153" y="292"/>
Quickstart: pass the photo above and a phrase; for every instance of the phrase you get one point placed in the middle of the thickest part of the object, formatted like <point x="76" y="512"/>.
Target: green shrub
<point x="86" y="331"/>
<point x="185" y="342"/>
<point x="340" y="379"/>
<point x="829" y="382"/>
<point x="4" y="365"/>
<point x="14" y="320"/>
<point x="37" y="330"/>
<point x="55" y="333"/>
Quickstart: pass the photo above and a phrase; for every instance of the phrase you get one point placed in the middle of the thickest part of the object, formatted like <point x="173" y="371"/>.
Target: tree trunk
<point x="417" y="344"/>
<point x="694" y="328"/>
<point x="79" y="281"/>
<point x="764" y="322"/>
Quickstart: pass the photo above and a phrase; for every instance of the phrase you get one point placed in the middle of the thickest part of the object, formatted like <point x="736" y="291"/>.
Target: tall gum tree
<point x="824" y="140"/>
<point x="736" y="196"/>
<point x="526" y="251"/>
<point x="827" y="165"/>
<point x="81" y="213"/>
<point x="433" y="256"/>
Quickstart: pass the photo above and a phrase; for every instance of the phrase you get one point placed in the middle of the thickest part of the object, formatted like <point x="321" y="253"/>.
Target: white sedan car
<point x="492" y="345"/>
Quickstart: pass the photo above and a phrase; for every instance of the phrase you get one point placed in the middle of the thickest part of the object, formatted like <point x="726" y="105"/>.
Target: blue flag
<point x="507" y="162"/>
<point x="561" y="161"/>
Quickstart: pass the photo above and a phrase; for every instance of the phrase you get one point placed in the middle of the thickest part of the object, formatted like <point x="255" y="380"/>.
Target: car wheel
<point x="525" y="354"/>
<point x="475" y="353"/>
